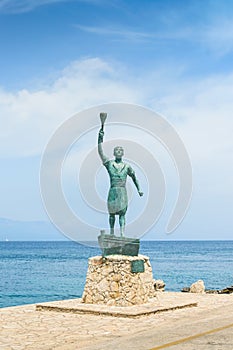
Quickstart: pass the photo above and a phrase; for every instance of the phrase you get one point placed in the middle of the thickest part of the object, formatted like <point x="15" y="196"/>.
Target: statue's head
<point x="118" y="152"/>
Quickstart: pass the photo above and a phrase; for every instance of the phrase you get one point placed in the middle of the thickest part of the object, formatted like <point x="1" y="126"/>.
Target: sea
<point x="34" y="272"/>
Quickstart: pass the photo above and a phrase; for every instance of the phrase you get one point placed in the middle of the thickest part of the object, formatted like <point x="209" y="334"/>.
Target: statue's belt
<point x="118" y="185"/>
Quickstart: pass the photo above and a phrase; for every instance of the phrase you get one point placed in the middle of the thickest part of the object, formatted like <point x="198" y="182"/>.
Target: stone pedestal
<point x="119" y="280"/>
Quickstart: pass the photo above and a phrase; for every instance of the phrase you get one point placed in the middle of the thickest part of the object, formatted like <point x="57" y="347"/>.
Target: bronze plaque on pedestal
<point x="137" y="266"/>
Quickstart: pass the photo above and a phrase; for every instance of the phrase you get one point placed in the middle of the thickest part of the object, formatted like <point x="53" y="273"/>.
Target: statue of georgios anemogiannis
<point x="118" y="172"/>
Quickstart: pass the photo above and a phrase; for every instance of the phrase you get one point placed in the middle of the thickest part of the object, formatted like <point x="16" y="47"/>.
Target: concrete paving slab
<point x="163" y="302"/>
<point x="193" y="328"/>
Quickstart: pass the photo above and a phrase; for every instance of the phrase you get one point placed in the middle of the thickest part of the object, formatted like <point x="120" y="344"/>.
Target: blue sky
<point x="39" y="38"/>
<point x="175" y="57"/>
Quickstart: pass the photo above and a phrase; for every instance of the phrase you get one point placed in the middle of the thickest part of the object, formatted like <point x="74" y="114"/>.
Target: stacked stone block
<point x="110" y="281"/>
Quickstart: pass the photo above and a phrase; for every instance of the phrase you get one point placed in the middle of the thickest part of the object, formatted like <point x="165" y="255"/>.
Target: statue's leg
<point x="112" y="223"/>
<point x="122" y="224"/>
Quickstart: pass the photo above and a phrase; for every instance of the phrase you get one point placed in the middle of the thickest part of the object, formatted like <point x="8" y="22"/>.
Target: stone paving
<point x="24" y="328"/>
<point x="163" y="302"/>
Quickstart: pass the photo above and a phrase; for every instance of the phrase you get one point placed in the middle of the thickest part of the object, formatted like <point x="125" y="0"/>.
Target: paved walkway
<point x="24" y="328"/>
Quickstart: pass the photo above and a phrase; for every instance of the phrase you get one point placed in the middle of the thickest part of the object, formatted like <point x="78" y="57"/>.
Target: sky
<point x="59" y="57"/>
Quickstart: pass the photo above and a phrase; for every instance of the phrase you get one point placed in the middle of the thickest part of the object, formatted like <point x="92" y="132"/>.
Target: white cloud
<point x="21" y="6"/>
<point x="29" y="118"/>
<point x="135" y="35"/>
<point x="126" y="34"/>
<point x="216" y="36"/>
<point x="201" y="111"/>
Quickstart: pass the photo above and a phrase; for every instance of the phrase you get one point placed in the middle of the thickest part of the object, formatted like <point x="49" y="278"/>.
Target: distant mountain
<point x="13" y="230"/>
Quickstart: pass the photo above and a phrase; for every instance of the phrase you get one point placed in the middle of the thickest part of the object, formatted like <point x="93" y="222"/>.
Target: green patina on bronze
<point x="112" y="245"/>
<point x="137" y="266"/>
<point x="117" y="203"/>
<point x="118" y="172"/>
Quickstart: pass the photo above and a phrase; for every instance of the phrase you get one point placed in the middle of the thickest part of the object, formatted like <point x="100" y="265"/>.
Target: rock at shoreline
<point x="227" y="290"/>
<point x="159" y="285"/>
<point x="198" y="287"/>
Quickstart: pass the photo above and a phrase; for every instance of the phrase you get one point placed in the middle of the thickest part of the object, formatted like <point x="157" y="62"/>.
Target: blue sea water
<point x="32" y="272"/>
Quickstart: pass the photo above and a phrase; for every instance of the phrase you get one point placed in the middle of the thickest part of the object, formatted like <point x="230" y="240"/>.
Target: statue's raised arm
<point x="103" y="117"/>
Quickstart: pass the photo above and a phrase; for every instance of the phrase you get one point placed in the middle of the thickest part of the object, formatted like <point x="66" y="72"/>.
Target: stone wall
<point x="110" y="281"/>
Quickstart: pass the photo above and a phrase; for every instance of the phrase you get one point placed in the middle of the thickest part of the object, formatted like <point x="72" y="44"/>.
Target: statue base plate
<point x="113" y="245"/>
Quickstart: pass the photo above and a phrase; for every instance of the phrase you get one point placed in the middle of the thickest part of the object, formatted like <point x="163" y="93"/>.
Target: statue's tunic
<point x="117" y="196"/>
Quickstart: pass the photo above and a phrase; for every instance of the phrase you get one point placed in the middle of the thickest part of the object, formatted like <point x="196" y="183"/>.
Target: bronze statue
<point x="118" y="171"/>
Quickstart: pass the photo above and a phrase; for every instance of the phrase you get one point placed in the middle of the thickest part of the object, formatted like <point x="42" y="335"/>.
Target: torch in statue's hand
<point x="103" y="117"/>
